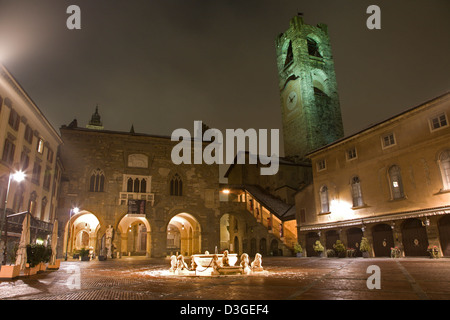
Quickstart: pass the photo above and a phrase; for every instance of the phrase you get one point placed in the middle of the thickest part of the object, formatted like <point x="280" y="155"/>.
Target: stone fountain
<point x="216" y="264"/>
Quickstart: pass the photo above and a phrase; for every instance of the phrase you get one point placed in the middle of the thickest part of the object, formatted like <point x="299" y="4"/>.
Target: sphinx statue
<point x="245" y="264"/>
<point x="257" y="263"/>
<point x="173" y="263"/>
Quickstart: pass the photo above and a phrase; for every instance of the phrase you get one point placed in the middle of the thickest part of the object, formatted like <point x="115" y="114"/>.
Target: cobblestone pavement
<point x="287" y="279"/>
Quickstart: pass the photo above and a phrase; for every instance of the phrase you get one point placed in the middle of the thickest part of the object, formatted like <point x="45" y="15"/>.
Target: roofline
<point x="30" y="101"/>
<point x="284" y="163"/>
<point x="372" y="127"/>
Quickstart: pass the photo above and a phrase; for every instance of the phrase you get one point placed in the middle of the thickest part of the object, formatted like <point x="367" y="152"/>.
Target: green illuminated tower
<point x="310" y="108"/>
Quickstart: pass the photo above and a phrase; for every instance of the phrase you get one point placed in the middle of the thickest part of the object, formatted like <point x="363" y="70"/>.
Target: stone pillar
<point x="397" y="234"/>
<point x="149" y="245"/>
<point x="433" y="234"/>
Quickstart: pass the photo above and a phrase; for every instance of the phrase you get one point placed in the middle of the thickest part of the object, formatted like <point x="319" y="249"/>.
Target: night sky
<point x="161" y="64"/>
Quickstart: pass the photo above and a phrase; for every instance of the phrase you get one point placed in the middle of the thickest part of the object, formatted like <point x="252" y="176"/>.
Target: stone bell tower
<point x="95" y="122"/>
<point x="310" y="108"/>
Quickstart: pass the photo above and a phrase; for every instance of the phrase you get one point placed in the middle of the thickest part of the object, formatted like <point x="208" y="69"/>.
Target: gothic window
<point x="136" y="185"/>
<point x="176" y="186"/>
<point x="324" y="200"/>
<point x="356" y="192"/>
<point x="396" y="185"/>
<point x="444" y="164"/>
<point x="143" y="185"/>
<point x="130" y="185"/>
<point x="97" y="181"/>
<point x="289" y="55"/>
<point x="313" y="48"/>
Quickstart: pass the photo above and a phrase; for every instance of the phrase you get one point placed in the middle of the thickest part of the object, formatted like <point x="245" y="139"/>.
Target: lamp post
<point x="73" y="210"/>
<point x="18" y="176"/>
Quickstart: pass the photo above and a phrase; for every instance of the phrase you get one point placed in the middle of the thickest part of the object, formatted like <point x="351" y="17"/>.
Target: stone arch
<point x="319" y="80"/>
<point x="83" y="221"/>
<point x="135" y="235"/>
<point x="231" y="226"/>
<point x="183" y="234"/>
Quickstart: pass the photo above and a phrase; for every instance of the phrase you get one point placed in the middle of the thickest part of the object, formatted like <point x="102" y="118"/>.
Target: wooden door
<point x="354" y="236"/>
<point x="331" y="237"/>
<point x="311" y="239"/>
<point x="415" y="239"/>
<point x="444" y="234"/>
<point x="383" y="240"/>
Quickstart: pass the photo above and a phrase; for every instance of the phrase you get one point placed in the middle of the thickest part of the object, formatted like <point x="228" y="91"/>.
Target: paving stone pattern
<point x="287" y="279"/>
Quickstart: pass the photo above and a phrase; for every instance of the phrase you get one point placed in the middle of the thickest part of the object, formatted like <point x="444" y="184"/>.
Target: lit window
<point x="40" y="146"/>
<point x="438" y="122"/>
<point x="395" y="178"/>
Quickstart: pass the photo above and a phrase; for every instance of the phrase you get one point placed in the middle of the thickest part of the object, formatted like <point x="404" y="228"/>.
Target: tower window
<point x="289" y="55"/>
<point x="320" y="93"/>
<point x="97" y="181"/>
<point x="176" y="186"/>
<point x="313" y="48"/>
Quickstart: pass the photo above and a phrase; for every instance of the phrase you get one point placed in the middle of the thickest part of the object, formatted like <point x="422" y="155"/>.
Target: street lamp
<point x="73" y="210"/>
<point x="17" y="176"/>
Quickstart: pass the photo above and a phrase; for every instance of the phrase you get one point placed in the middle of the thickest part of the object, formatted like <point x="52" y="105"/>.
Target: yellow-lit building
<point x="30" y="144"/>
<point x="389" y="183"/>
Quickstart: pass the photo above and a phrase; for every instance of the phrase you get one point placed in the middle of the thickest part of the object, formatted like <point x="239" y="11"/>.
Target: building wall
<point x="31" y="122"/>
<point x="416" y="153"/>
<point x="85" y="151"/>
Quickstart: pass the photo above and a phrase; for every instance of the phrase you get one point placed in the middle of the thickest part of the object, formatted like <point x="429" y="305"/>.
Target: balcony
<point x="125" y="196"/>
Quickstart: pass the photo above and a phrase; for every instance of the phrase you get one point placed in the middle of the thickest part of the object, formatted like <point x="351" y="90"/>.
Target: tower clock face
<point x="291" y="100"/>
